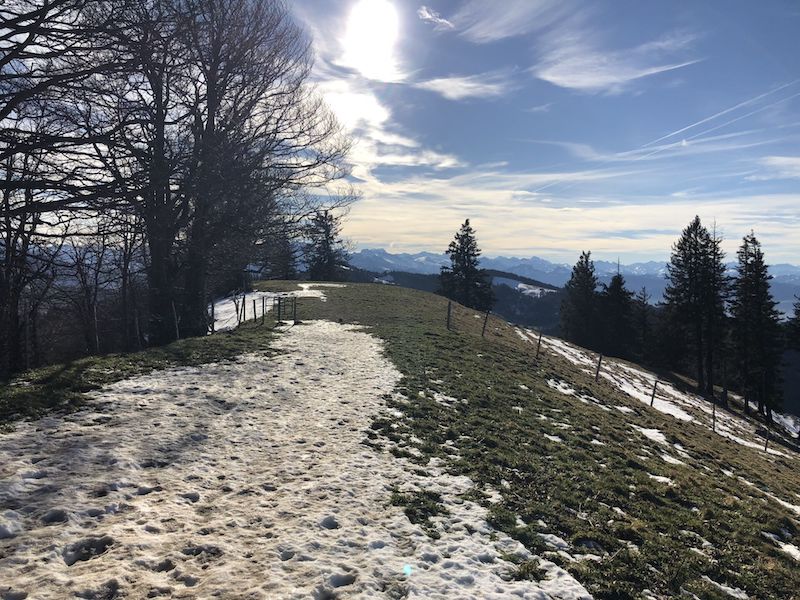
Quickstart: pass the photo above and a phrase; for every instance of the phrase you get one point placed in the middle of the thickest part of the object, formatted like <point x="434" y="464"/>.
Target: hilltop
<point x="369" y="451"/>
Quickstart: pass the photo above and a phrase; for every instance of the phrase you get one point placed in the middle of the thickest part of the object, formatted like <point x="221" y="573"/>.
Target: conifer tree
<point x="696" y="295"/>
<point x="579" y="309"/>
<point x="464" y="281"/>
<point x="716" y="292"/>
<point x="325" y="251"/>
<point x="642" y="324"/>
<point x="794" y="327"/>
<point x="616" y="303"/>
<point x="756" y="329"/>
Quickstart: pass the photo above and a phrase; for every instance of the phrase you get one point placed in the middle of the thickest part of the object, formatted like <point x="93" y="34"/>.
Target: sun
<point x="373" y="28"/>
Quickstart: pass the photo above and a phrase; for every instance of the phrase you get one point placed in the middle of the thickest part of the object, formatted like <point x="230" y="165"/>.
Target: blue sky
<point x="561" y="125"/>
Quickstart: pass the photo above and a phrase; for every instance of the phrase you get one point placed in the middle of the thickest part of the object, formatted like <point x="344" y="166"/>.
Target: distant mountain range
<point x="785" y="285"/>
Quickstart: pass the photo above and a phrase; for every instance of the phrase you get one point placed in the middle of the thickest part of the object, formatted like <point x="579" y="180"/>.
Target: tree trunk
<point x="699" y="348"/>
<point x="161" y="327"/>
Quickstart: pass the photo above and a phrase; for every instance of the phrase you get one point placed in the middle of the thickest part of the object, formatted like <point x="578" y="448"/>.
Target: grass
<point x="600" y="499"/>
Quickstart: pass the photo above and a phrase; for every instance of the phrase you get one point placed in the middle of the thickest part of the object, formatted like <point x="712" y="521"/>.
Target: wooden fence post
<point x="449" y="310"/>
<point x="769" y="433"/>
<point x="539" y="345"/>
<point x="255" y="314"/>
<point x="294" y="309"/>
<point x="714" y="417"/>
<point x="244" y="308"/>
<point x="212" y="315"/>
<point x="485" y="320"/>
<point x="653" y="395"/>
<point x="599" y="364"/>
<point x="175" y="318"/>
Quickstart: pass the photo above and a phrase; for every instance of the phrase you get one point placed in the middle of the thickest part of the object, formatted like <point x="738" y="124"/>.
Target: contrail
<point x="721" y="125"/>
<point x="723" y="112"/>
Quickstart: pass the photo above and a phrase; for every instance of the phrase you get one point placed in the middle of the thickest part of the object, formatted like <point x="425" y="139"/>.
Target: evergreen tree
<point x="716" y="292"/>
<point x="325" y="251"/>
<point x="794" y="327"/>
<point x="579" y="309"/>
<point x="756" y="329"/>
<point x="463" y="281"/>
<point x="642" y="325"/>
<point x="617" y="305"/>
<point x="695" y="296"/>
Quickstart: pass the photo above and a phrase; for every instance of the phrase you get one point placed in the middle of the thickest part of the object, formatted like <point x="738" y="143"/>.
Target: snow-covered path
<point x="247" y="479"/>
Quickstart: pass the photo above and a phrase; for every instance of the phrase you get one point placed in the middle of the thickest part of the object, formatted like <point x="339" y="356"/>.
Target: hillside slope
<point x="395" y="459"/>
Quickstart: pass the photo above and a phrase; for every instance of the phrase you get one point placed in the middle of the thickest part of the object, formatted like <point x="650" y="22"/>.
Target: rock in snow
<point x="247" y="479"/>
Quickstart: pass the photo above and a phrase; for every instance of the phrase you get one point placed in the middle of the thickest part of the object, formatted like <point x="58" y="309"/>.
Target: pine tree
<point x="616" y="303"/>
<point x="325" y="251"/>
<point x="464" y="281"/>
<point x="696" y="295"/>
<point x="794" y="327"/>
<point x="642" y="324"/>
<point x="579" y="309"/>
<point x="716" y="291"/>
<point x="756" y="329"/>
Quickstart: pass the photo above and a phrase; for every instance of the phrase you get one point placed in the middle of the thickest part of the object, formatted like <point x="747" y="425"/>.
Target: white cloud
<point x="540" y="108"/>
<point x="570" y="58"/>
<point x="434" y="18"/>
<point x="482" y="22"/>
<point x="485" y="85"/>
<point x="779" y="167"/>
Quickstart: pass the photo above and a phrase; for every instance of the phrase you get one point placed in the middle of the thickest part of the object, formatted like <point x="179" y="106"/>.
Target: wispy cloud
<point x="482" y="22"/>
<point x="484" y="85"/>
<point x="571" y="57"/>
<point x="352" y="95"/>
<point x="434" y="18"/>
<point x="540" y="108"/>
<point x="778" y="167"/>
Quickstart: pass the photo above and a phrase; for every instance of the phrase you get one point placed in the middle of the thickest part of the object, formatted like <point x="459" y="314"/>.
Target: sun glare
<point x="372" y="30"/>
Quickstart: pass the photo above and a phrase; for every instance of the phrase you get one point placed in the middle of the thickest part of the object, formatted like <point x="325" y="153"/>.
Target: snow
<point x="660" y="479"/>
<point x="244" y="479"/>
<point x="684" y="406"/>
<point x="791" y="550"/>
<point x="671" y="460"/>
<point x="734" y="592"/>
<point x="651" y="434"/>
<point x="553" y="438"/>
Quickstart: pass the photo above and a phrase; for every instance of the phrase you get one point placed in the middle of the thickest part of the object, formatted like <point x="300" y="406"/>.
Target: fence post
<point x="769" y="433"/>
<point x="485" y="320"/>
<point x="653" y="395"/>
<point x="255" y="314"/>
<point x="539" y="345"/>
<point x="175" y="318"/>
<point x="212" y="315"/>
<point x="714" y="416"/>
<point x="599" y="363"/>
<point x="294" y="309"/>
<point x="449" y="310"/>
<point x="96" y="332"/>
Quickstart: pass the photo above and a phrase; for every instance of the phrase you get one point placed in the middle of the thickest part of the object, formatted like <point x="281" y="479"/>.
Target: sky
<point x="557" y="126"/>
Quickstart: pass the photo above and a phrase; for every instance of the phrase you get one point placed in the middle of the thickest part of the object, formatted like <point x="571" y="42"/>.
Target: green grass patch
<point x="419" y="506"/>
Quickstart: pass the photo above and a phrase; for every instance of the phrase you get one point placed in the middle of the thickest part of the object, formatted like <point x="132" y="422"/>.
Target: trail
<point x="248" y="479"/>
